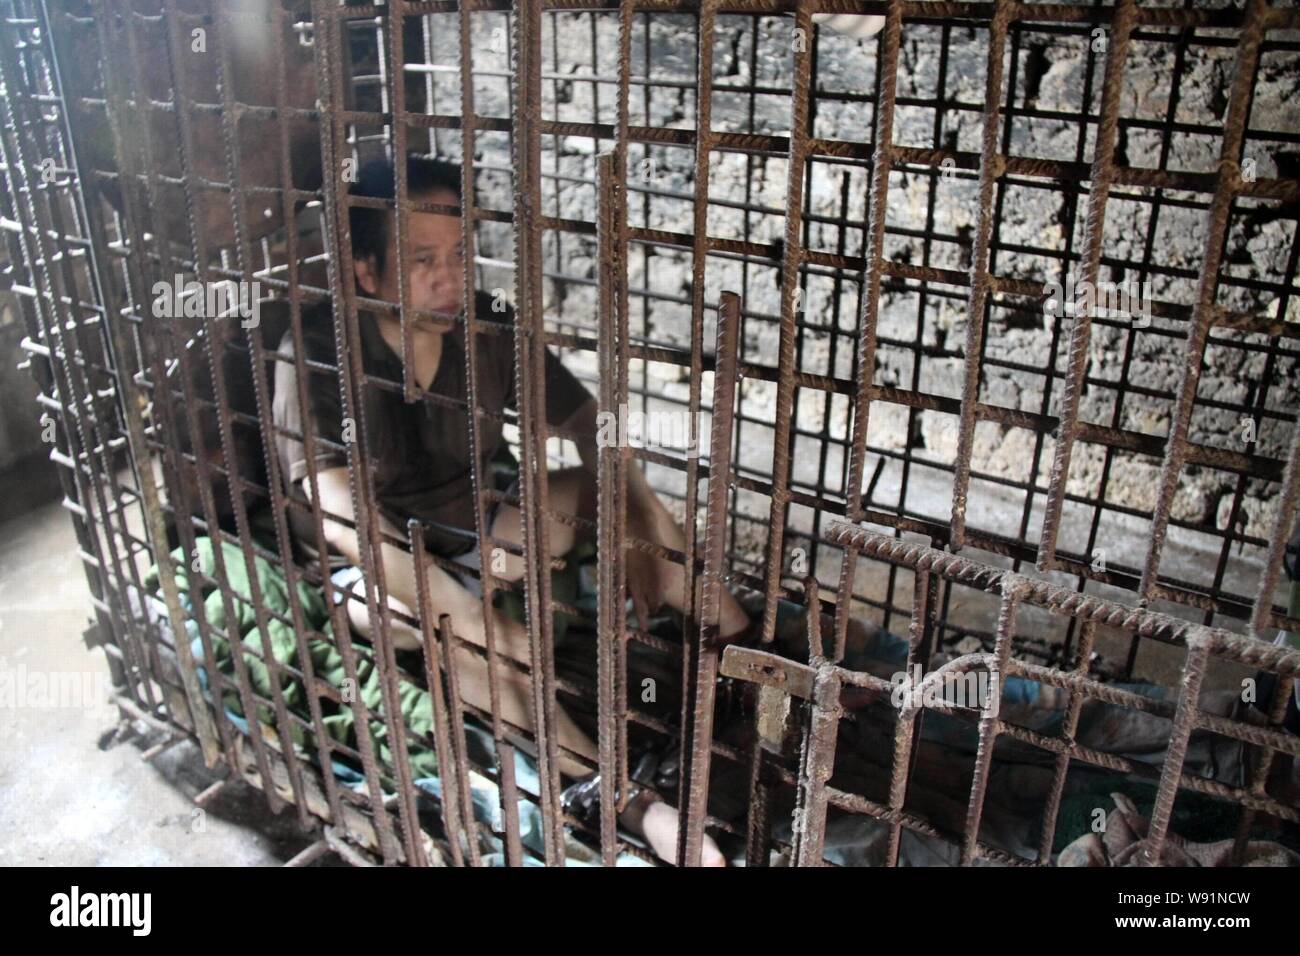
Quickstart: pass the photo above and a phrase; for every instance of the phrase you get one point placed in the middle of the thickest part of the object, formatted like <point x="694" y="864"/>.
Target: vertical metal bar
<point x="816" y="765"/>
<point x="449" y="643"/>
<point x="1171" y="770"/>
<point x="715" y="514"/>
<point x="1283" y="524"/>
<point x="791" y="304"/>
<point x="430" y="85"/>
<point x="901" y="768"/>
<point x="395" y="18"/>
<point x="919" y="629"/>
<point x="514" y="842"/>
<point x="1216" y="219"/>
<point x="747" y="235"/>
<point x="758" y="820"/>
<point x="877" y="213"/>
<point x="910" y="714"/>
<point x="326" y="26"/>
<point x="369" y="535"/>
<point x="622" y="311"/>
<point x="825" y="438"/>
<point x="699" y="261"/>
<point x="701" y="687"/>
<point x="487" y="581"/>
<point x="768" y="740"/>
<point x="1102" y="176"/>
<point x="991" y="168"/>
<point x="1283" y="690"/>
<point x="530" y="346"/>
<point x="611" y="502"/>
<point x="1013" y="589"/>
<point x="1074" y="707"/>
<point x="457" y="817"/>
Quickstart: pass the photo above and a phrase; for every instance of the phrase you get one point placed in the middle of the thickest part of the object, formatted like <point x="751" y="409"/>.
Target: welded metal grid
<point x="356" y="106"/>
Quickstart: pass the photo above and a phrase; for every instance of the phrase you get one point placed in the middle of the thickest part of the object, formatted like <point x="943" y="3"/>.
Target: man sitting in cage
<point x="424" y="470"/>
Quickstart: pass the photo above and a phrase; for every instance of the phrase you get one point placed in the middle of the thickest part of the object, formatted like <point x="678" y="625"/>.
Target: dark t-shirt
<point x="419" y="451"/>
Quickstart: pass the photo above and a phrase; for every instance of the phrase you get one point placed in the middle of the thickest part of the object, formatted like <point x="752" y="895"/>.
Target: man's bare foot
<point x="656" y="821"/>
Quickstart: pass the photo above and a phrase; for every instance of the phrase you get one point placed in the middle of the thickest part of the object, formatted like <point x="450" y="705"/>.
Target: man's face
<point x="435" y="261"/>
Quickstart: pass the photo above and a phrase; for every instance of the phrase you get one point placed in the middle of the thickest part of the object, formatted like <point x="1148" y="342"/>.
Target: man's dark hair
<point x="376" y="180"/>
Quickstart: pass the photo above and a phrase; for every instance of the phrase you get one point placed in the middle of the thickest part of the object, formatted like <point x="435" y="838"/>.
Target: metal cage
<point x="834" y="254"/>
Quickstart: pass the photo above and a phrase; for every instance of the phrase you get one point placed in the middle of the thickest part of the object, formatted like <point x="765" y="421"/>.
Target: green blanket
<point x="327" y="662"/>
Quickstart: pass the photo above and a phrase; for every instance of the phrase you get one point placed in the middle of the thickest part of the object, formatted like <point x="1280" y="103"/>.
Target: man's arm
<point x="446" y="594"/>
<point x="652" y="581"/>
<point x="645" y="510"/>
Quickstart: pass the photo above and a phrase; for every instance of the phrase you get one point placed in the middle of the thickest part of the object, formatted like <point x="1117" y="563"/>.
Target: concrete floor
<point x="73" y="787"/>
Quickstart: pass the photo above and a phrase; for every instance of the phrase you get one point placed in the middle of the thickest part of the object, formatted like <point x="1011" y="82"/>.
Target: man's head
<point x="435" y="256"/>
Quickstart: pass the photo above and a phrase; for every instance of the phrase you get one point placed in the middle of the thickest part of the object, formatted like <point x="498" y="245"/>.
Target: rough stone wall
<point x="1050" y="77"/>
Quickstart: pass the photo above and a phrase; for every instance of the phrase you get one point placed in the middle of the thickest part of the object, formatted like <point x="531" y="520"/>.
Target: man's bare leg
<point x="450" y="597"/>
<point x="655" y="821"/>
<point x="572" y="491"/>
<point x="471" y="669"/>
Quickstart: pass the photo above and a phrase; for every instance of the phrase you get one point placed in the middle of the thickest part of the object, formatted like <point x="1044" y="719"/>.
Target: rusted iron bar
<point x="1189" y="692"/>
<point x="791" y="305"/>
<point x="819" y="755"/>
<point x="1070" y="724"/>
<point x="1101" y="177"/>
<point x="525" y="145"/>
<point x="611" y="507"/>
<point x="991" y="170"/>
<point x="700" y="691"/>
<point x="280" y="503"/>
<point x="1013" y="589"/>
<point x="622" y="306"/>
<point x="395" y="12"/>
<point x="1060" y="599"/>
<point x="453" y="769"/>
<point x="704" y="140"/>
<point x="869" y="309"/>
<point x="328" y="45"/>
<point x="1216" y="226"/>
<point x="1288" y="503"/>
<point x="469" y="213"/>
